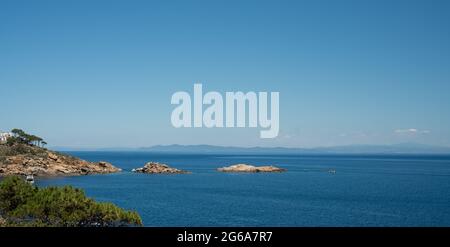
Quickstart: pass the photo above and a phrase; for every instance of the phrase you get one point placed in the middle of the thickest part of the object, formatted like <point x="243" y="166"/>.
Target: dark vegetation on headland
<point x="21" y="137"/>
<point x="22" y="144"/>
<point x="23" y="204"/>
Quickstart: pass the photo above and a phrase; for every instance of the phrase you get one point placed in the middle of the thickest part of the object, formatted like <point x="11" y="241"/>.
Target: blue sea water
<point x="389" y="190"/>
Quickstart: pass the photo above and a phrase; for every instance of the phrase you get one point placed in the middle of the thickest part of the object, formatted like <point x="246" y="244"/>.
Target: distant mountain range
<point x="402" y="148"/>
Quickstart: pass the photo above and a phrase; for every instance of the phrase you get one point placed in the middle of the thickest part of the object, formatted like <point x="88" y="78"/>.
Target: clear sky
<point x="102" y="73"/>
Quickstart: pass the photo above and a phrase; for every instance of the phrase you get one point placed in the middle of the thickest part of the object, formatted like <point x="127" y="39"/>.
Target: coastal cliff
<point x="158" y="168"/>
<point x="24" y="159"/>
<point x="250" y="168"/>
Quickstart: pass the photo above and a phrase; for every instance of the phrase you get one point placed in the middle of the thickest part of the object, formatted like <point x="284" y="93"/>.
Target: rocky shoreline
<point x="42" y="162"/>
<point x="250" y="168"/>
<point x="158" y="168"/>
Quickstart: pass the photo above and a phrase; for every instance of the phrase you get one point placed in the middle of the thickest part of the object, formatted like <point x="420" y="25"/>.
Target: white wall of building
<point x="4" y="136"/>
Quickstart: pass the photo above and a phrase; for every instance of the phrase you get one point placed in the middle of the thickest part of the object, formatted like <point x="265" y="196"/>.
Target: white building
<point x="4" y="136"/>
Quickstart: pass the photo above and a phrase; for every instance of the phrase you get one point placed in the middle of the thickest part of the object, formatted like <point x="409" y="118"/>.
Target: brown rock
<point x="250" y="168"/>
<point x="103" y="164"/>
<point x="52" y="164"/>
<point x="52" y="156"/>
<point x="158" y="168"/>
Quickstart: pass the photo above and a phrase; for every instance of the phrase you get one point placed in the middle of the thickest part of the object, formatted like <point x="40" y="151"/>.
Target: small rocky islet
<point x="158" y="168"/>
<point x="250" y="168"/>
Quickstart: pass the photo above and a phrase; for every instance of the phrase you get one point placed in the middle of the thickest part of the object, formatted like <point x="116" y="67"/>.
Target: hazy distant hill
<point x="403" y="148"/>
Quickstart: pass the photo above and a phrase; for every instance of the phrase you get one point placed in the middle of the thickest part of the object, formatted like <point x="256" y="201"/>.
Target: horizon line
<point x="62" y="147"/>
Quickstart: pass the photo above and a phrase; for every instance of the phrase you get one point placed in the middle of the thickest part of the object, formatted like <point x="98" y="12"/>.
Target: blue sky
<point x="101" y="73"/>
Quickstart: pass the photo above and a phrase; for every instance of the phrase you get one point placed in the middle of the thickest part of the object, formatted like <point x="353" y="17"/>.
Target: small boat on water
<point x="30" y="179"/>
<point x="332" y="171"/>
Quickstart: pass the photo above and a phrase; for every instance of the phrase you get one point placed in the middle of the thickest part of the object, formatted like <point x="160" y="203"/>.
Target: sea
<point x="316" y="190"/>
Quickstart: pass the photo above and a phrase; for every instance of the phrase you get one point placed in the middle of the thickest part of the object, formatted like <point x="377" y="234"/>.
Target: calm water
<point x="365" y="191"/>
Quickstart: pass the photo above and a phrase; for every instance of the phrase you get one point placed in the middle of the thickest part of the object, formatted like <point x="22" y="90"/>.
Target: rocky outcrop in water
<point x="250" y="168"/>
<point x="158" y="168"/>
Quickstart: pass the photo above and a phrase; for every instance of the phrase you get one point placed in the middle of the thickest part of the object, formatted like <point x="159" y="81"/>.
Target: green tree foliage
<point x="22" y="137"/>
<point x="22" y="204"/>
